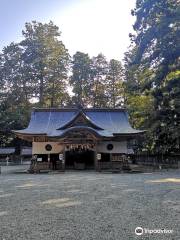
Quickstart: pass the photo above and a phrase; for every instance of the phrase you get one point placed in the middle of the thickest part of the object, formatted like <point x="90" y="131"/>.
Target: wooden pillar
<point x="110" y="157"/>
<point x="96" y="165"/>
<point x="111" y="162"/>
<point x="64" y="160"/>
<point x="49" y="162"/>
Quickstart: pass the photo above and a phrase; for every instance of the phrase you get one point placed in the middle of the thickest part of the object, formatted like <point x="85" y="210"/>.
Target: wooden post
<point x="111" y="163"/>
<point x="49" y="162"/>
<point x="96" y="165"/>
<point x="64" y="160"/>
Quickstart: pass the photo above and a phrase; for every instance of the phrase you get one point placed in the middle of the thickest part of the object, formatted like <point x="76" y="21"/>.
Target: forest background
<point x="39" y="72"/>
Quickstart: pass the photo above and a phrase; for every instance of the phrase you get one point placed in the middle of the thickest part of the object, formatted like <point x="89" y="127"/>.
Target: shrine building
<point x="79" y="138"/>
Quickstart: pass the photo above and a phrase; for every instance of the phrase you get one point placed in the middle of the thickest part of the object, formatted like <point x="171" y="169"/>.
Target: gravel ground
<point x="88" y="205"/>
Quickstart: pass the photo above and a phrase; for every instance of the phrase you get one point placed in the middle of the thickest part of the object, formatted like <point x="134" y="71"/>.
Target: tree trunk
<point x="41" y="90"/>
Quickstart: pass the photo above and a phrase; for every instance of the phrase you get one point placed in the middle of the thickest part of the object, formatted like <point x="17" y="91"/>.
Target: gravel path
<point x="88" y="205"/>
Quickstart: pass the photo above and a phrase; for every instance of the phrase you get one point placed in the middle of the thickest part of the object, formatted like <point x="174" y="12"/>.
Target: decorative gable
<point x="80" y="120"/>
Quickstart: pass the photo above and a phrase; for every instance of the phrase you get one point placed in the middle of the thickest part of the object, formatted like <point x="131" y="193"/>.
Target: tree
<point x="36" y="67"/>
<point x="14" y="78"/>
<point x="81" y="78"/>
<point x="153" y="65"/>
<point x="114" y="82"/>
<point x="49" y="59"/>
<point x="96" y="82"/>
<point x="15" y="92"/>
<point x="98" y="76"/>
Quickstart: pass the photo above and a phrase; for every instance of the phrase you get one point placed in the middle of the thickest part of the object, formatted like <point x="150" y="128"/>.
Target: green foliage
<point x="97" y="82"/>
<point x="37" y="72"/>
<point x="34" y="69"/>
<point x="48" y="60"/>
<point x="81" y="78"/>
<point x="114" y="84"/>
<point x="98" y="76"/>
<point x="152" y="71"/>
<point x="12" y="117"/>
<point x="140" y="107"/>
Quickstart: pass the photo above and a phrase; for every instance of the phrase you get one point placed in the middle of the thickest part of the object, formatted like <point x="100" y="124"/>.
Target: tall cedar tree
<point x="152" y="73"/>
<point x="34" y="68"/>
<point x="96" y="82"/>
<point x="81" y="78"/>
<point x="15" y="92"/>
<point x="98" y="76"/>
<point x="114" y="83"/>
<point x="49" y="59"/>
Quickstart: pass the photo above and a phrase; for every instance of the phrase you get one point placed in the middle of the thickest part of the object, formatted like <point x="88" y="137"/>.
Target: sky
<point x="89" y="26"/>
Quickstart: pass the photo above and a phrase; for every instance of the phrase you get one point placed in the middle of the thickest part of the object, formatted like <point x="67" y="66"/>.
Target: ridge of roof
<point x="76" y="109"/>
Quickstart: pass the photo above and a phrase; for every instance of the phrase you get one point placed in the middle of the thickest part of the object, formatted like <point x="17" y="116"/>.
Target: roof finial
<point x="79" y="106"/>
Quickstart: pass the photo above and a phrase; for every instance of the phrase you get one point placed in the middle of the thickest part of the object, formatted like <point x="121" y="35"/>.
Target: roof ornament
<point x="79" y="106"/>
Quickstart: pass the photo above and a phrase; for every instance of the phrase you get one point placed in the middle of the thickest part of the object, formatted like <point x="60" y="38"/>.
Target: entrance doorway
<point x="79" y="159"/>
<point x="55" y="163"/>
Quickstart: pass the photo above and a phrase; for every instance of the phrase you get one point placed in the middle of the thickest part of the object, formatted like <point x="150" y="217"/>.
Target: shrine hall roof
<point x="54" y="122"/>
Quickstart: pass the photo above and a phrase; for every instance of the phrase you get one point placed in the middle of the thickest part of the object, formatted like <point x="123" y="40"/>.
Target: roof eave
<point x="129" y="134"/>
<point x="26" y="133"/>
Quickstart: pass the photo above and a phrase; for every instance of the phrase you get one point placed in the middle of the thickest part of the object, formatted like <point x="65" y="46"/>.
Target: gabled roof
<point x="55" y="122"/>
<point x="80" y="114"/>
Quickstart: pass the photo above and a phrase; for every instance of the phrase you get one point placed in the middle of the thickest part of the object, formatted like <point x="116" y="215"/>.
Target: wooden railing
<point x="159" y="160"/>
<point x="113" y="165"/>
